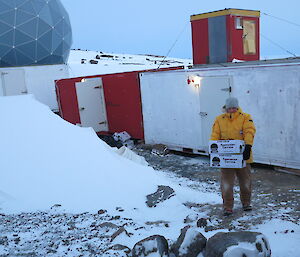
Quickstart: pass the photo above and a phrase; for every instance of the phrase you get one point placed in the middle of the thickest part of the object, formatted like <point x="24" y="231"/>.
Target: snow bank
<point x="283" y="236"/>
<point x="47" y="161"/>
<point x="129" y="154"/>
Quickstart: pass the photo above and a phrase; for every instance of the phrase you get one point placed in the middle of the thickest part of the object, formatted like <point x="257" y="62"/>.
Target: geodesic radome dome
<point x="34" y="32"/>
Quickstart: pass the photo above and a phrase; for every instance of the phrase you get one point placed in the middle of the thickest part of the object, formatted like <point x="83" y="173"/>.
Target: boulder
<point x="244" y="244"/>
<point x="190" y="243"/>
<point x="155" y="245"/>
<point x="118" y="250"/>
<point x="120" y="231"/>
<point x="162" y="193"/>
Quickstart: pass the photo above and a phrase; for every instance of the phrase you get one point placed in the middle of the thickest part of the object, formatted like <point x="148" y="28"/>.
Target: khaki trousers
<point x="227" y="184"/>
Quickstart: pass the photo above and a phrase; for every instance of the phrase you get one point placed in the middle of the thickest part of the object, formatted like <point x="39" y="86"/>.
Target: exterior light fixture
<point x="194" y="80"/>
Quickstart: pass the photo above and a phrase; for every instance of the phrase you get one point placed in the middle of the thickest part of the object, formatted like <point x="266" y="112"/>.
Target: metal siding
<point x="216" y="88"/>
<point x="123" y="103"/>
<point x="268" y="93"/>
<point x="200" y="41"/>
<point x="91" y="103"/>
<point x="122" y="99"/>
<point x="170" y="110"/>
<point x="13" y="82"/>
<point x="217" y="39"/>
<point x="67" y="100"/>
<point x="173" y="109"/>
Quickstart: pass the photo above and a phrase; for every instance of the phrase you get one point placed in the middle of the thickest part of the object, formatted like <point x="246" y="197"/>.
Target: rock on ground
<point x="190" y="243"/>
<point x="162" y="193"/>
<point x="155" y="244"/>
<point x="232" y="244"/>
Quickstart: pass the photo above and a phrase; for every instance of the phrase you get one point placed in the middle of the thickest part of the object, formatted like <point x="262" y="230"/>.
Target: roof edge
<point x="290" y="60"/>
<point x="230" y="11"/>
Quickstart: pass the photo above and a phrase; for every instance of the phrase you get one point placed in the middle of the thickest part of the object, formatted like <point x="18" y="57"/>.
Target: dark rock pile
<point x="191" y="243"/>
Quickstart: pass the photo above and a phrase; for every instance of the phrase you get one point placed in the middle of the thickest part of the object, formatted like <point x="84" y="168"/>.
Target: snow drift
<point x="46" y="161"/>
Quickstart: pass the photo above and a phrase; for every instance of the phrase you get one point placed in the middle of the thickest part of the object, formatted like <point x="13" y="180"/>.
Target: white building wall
<point x="39" y="81"/>
<point x="165" y="109"/>
<point x="270" y="93"/>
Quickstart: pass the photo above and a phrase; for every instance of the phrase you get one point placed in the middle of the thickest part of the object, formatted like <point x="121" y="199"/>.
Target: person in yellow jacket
<point x="234" y="124"/>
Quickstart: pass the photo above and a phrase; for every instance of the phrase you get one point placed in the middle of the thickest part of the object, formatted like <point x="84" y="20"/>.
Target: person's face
<point x="231" y="110"/>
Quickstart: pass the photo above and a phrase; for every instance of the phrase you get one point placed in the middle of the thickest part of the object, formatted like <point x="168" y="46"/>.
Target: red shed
<point x="108" y="103"/>
<point x="224" y="35"/>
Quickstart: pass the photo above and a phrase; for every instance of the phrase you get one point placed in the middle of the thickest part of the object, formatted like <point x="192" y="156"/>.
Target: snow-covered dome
<point x="34" y="32"/>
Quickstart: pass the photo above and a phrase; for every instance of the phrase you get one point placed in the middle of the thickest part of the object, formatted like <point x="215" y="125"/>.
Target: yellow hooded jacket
<point x="238" y="125"/>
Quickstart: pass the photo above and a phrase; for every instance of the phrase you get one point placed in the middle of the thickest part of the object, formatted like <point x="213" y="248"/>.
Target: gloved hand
<point x="247" y="151"/>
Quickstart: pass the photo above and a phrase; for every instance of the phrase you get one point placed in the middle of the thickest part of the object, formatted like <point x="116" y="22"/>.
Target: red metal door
<point x="123" y="103"/>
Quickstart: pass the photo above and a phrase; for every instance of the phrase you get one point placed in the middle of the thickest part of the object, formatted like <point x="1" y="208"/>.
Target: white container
<point x="189" y="111"/>
<point x="227" y="161"/>
<point x="37" y="80"/>
<point x="226" y="146"/>
<point x="189" y="115"/>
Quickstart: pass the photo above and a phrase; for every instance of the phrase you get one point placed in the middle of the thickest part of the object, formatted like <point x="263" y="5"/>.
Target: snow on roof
<point x="46" y="161"/>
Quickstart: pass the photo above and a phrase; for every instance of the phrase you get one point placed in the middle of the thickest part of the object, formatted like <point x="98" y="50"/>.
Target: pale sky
<point x="152" y="27"/>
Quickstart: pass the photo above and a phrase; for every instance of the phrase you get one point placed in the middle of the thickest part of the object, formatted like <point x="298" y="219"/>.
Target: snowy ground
<point x="88" y="62"/>
<point x="64" y="192"/>
<point x="275" y="200"/>
<point x="106" y="63"/>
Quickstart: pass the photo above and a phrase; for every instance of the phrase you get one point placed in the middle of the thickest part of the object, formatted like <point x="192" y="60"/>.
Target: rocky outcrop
<point x="120" y="231"/>
<point x="122" y="250"/>
<point x="162" y="193"/>
<point x="244" y="243"/>
<point x="190" y="243"/>
<point x="151" y="245"/>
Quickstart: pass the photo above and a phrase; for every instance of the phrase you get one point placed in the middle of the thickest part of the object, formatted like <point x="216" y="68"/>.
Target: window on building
<point x="238" y="23"/>
<point x="249" y="31"/>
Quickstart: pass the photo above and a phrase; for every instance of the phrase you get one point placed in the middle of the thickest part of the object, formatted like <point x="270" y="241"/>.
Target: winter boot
<point x="247" y="208"/>
<point x="227" y="212"/>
